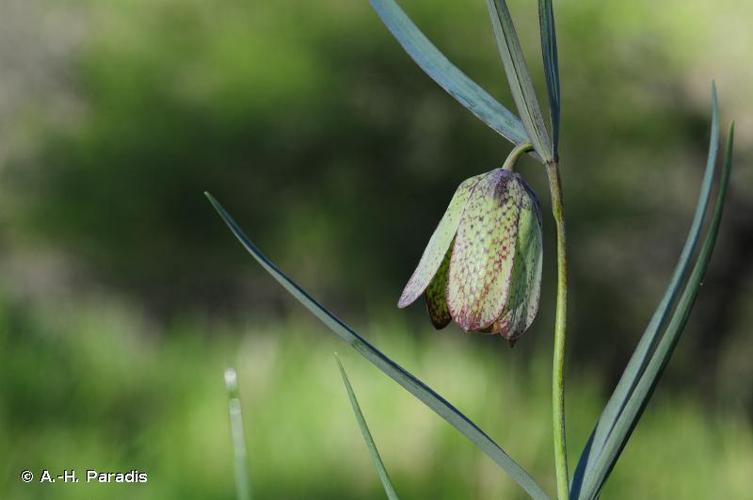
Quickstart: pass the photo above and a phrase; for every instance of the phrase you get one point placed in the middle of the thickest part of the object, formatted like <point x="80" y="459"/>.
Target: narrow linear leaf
<point x="520" y="80"/>
<point x="242" y="481"/>
<point x="635" y="406"/>
<point x="447" y="75"/>
<point x="551" y="67"/>
<point x="409" y="382"/>
<point x="367" y="437"/>
<point x="640" y="358"/>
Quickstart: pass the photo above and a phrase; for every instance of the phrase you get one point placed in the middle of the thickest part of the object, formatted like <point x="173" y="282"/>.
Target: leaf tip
<point x="211" y="199"/>
<point x="343" y="373"/>
<point x="730" y="142"/>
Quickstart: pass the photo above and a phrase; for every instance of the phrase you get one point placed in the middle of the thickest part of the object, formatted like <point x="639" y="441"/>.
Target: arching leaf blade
<point x="409" y="382"/>
<point x="551" y="67"/>
<point x="635" y="406"/>
<point x="376" y="458"/>
<point x="519" y="78"/>
<point x="640" y="358"/>
<point x="447" y="75"/>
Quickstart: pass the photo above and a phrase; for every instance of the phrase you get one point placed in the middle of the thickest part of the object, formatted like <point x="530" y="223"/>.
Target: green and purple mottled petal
<point x="484" y="250"/>
<point x="523" y="302"/>
<point x="535" y="258"/>
<point x="436" y="295"/>
<point x="438" y="244"/>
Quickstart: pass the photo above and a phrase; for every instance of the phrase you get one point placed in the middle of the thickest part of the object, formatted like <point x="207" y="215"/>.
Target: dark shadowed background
<point x="123" y="296"/>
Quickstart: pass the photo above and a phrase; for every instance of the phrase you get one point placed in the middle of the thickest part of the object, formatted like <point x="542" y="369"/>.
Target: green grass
<point x="96" y="385"/>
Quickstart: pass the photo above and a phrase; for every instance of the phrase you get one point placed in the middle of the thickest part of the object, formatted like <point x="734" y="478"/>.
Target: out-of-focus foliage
<point x="98" y="386"/>
<point x="338" y="156"/>
<point x="330" y="146"/>
<point x="314" y="123"/>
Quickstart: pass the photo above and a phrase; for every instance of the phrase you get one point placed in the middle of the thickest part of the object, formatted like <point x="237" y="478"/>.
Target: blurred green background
<point x="123" y="297"/>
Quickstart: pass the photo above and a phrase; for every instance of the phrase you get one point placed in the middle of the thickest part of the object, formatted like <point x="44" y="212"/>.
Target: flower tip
<point x="439" y="325"/>
<point x="404" y="301"/>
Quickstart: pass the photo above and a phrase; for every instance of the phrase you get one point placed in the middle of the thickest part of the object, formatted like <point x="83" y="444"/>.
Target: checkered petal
<point x="436" y="295"/>
<point x="523" y="301"/>
<point x="484" y="251"/>
<point x="439" y="243"/>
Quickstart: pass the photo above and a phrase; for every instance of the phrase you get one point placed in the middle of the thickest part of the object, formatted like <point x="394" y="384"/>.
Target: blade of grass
<point x="635" y="406"/>
<point x="520" y="80"/>
<point x="366" y="433"/>
<point x="397" y="373"/>
<point x="640" y="358"/>
<point x="447" y="75"/>
<point x="551" y="68"/>
<point x="242" y="482"/>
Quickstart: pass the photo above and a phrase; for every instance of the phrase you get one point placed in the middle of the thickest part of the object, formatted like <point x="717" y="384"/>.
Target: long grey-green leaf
<point x="551" y="67"/>
<point x="635" y="406"/>
<point x="384" y="477"/>
<point x="640" y="357"/>
<point x="409" y="382"/>
<point x="447" y="75"/>
<point x="520" y="80"/>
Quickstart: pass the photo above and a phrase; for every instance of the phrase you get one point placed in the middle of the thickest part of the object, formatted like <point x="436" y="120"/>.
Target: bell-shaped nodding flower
<point x="482" y="266"/>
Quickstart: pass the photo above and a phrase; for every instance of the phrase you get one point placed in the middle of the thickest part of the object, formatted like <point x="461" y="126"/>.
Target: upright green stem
<point x="560" y="326"/>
